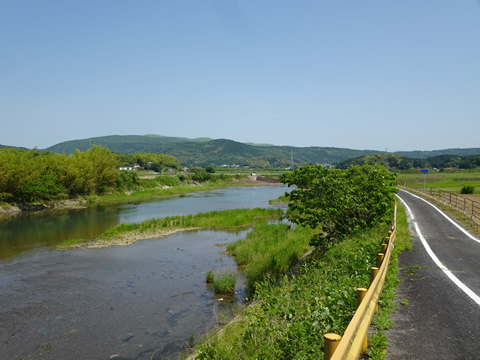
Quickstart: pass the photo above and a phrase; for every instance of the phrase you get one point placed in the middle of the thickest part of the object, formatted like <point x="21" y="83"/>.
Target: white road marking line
<point x="406" y="206"/>
<point x="446" y="217"/>
<point x="447" y="272"/>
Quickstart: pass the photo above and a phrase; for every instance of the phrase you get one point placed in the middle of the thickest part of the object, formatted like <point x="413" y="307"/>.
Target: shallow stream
<point x="143" y="301"/>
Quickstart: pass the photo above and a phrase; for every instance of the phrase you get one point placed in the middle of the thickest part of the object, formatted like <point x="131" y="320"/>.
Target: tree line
<point x="29" y="176"/>
<point x="404" y="163"/>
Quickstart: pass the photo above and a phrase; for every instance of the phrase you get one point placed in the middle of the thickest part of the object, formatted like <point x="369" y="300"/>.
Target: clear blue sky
<point x="355" y="74"/>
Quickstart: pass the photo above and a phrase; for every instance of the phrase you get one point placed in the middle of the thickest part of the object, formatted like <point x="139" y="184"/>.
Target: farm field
<point x="447" y="181"/>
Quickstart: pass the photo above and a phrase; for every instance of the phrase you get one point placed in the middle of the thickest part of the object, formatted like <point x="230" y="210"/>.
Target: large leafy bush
<point x="340" y="202"/>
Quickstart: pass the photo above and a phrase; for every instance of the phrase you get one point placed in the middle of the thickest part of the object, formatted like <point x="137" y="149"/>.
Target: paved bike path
<point x="442" y="317"/>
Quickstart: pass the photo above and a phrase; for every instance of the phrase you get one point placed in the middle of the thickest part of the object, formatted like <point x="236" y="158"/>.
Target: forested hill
<point x="123" y="144"/>
<point x="205" y="151"/>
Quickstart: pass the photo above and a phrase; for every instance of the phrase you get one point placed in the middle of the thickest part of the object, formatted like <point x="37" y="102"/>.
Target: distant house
<point x="136" y="166"/>
<point x="186" y="169"/>
<point x="125" y="168"/>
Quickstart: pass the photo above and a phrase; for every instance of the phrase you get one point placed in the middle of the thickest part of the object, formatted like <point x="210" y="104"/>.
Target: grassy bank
<point x="158" y="192"/>
<point x="126" y="234"/>
<point x="290" y="315"/>
<point x="270" y="250"/>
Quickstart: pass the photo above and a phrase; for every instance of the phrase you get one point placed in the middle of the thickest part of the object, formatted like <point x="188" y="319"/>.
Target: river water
<point x="144" y="301"/>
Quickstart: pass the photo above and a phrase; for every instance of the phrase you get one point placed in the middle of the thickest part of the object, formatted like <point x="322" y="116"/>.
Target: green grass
<point x="270" y="249"/>
<point x="210" y="277"/>
<point x="225" y="283"/>
<point x="291" y="314"/>
<point x="284" y="199"/>
<point x="219" y="220"/>
<point x="447" y="181"/>
<point x="386" y="306"/>
<point x="227" y="220"/>
<point x="173" y="191"/>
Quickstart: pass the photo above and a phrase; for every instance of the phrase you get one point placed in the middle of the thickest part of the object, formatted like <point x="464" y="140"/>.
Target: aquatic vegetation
<point x="224" y="283"/>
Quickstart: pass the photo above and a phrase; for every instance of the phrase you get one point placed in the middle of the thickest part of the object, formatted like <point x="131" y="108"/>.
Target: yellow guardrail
<point x="354" y="340"/>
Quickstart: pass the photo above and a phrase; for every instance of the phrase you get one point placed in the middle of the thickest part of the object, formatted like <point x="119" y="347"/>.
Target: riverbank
<point x="9" y="210"/>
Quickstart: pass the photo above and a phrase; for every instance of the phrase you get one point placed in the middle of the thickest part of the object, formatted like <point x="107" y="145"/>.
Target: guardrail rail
<point x="354" y="340"/>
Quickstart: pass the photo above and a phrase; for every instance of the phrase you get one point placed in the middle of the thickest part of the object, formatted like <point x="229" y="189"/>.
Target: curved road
<point x="441" y="283"/>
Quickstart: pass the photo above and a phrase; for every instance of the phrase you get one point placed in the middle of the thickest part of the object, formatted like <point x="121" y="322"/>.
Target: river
<point x="144" y="301"/>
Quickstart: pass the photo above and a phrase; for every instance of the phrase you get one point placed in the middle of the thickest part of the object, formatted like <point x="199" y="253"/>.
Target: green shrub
<point x="127" y="180"/>
<point x="225" y="283"/>
<point x="339" y="203"/>
<point x="183" y="177"/>
<point x="467" y="189"/>
<point x="168" y="180"/>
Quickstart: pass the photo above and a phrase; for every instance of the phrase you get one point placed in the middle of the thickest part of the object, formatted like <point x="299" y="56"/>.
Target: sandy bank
<point x="125" y="239"/>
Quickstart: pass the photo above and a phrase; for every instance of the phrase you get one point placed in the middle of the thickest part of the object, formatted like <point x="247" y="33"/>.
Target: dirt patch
<point x="125" y="239"/>
<point x="9" y="210"/>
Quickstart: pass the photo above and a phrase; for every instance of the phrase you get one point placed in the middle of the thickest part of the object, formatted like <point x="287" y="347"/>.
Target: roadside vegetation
<point x="293" y="307"/>
<point x="290" y="313"/>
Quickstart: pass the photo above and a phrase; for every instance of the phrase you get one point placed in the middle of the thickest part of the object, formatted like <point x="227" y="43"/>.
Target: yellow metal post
<point x="361" y="292"/>
<point x="373" y="275"/>
<point x="384" y="248"/>
<point x="331" y="343"/>
<point x="380" y="257"/>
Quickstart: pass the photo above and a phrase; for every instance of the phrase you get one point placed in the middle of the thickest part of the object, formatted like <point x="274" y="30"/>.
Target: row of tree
<point x="155" y="162"/>
<point x="404" y="163"/>
<point x="29" y="175"/>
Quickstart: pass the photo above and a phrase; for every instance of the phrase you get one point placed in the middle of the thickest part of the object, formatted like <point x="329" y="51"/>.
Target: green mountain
<point x="205" y="151"/>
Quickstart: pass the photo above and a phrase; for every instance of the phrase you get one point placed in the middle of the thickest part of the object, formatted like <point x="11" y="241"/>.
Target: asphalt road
<point x="440" y="288"/>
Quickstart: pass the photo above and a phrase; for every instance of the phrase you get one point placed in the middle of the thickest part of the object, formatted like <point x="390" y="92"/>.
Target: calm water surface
<point x="138" y="302"/>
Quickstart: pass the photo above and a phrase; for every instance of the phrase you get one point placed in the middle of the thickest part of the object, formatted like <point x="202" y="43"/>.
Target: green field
<point x="452" y="181"/>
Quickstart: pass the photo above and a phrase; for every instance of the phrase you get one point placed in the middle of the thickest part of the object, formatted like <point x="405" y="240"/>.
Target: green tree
<point x="210" y="169"/>
<point x="43" y="187"/>
<point x="338" y="203"/>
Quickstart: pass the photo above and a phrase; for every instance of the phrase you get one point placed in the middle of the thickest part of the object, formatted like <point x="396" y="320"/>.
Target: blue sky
<point x="402" y="75"/>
